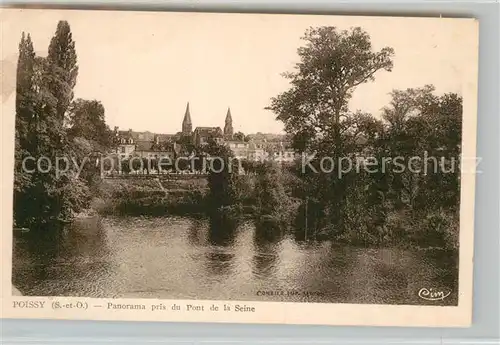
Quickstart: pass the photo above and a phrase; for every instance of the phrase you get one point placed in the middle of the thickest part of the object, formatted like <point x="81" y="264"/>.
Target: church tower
<point x="228" y="126"/>
<point x="187" y="126"/>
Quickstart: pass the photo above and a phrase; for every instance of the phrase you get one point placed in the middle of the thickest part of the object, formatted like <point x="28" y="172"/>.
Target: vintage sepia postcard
<point x="249" y="168"/>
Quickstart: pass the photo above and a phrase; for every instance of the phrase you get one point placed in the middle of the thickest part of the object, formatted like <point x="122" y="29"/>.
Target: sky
<point x="145" y="66"/>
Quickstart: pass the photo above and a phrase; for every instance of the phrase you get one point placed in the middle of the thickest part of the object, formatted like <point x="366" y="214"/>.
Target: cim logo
<point x="432" y="294"/>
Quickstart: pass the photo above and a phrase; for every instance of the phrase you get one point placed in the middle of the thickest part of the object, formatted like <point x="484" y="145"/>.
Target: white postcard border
<point x="268" y="312"/>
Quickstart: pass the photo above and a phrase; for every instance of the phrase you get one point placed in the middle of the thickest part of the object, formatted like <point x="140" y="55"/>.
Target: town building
<point x="156" y="149"/>
<point x="125" y="143"/>
<point x="240" y="149"/>
<point x="151" y="145"/>
<point x="259" y="151"/>
<point x="202" y="135"/>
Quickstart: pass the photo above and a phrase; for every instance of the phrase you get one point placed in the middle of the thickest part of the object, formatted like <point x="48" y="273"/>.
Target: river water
<point x="185" y="258"/>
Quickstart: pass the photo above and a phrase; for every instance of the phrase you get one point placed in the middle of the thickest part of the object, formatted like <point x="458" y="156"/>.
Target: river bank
<point x="155" y="197"/>
<point x="152" y="197"/>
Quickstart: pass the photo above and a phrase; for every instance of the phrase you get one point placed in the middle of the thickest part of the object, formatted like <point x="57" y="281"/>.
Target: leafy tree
<point x="24" y="116"/>
<point x="187" y="146"/>
<point x="270" y="192"/>
<point x="25" y="88"/>
<point x="315" y="108"/>
<point x="222" y="177"/>
<point x="44" y="195"/>
<point x="239" y="136"/>
<point x="24" y="107"/>
<point x="332" y="64"/>
<point x="47" y="198"/>
<point x="86" y="120"/>
<point x="62" y="61"/>
<point x="125" y="166"/>
<point x="420" y="122"/>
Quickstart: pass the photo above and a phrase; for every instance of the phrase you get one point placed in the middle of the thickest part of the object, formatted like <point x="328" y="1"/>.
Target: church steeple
<point x="187" y="126"/>
<point x="228" y="125"/>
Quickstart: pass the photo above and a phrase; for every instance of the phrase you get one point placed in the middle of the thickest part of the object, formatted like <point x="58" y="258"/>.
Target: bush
<point x="145" y="197"/>
<point x="439" y="229"/>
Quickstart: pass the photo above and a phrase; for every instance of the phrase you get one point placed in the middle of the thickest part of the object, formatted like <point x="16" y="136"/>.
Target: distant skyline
<point x="144" y="67"/>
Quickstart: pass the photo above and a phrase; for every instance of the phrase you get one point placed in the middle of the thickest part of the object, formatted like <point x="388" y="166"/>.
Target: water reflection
<point x="196" y="235"/>
<point x="219" y="258"/>
<point x="307" y="223"/>
<point x="266" y="242"/>
<point x="49" y="256"/>
<point x="222" y="230"/>
<point x="221" y="235"/>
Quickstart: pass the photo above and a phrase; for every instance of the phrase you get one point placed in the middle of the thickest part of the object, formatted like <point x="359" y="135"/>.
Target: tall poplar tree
<point x="62" y="60"/>
<point x="43" y="93"/>
<point x="24" y="88"/>
<point x="24" y="114"/>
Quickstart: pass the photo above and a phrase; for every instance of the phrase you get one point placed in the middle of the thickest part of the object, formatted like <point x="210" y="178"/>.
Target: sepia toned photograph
<point x="241" y="159"/>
